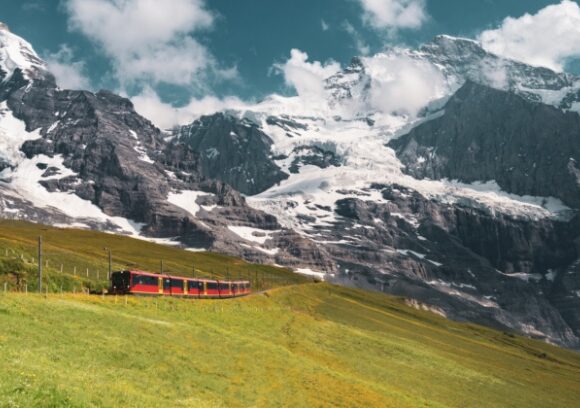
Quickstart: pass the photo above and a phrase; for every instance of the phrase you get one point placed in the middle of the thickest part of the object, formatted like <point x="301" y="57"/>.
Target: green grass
<point x="298" y="344"/>
<point x="81" y="257"/>
<point x="309" y="345"/>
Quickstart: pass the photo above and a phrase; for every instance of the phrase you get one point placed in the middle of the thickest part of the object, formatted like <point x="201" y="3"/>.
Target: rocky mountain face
<point x="468" y="209"/>
<point x="236" y="152"/>
<point x="79" y="158"/>
<point x="485" y="134"/>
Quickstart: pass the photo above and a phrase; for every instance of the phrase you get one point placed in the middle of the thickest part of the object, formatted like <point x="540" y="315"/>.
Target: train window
<point x="212" y="285"/>
<point x="144" y="280"/>
<point x="177" y="283"/>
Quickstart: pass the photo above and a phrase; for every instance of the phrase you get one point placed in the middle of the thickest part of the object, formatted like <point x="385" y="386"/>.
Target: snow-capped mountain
<point x="362" y="187"/>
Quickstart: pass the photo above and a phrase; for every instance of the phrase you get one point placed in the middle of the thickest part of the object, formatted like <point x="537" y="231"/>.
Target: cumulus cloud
<point x="495" y="73"/>
<point x="306" y="77"/>
<point x="147" y="41"/>
<point x="69" y="74"/>
<point x="324" y="25"/>
<point x="394" y="14"/>
<point x="401" y="84"/>
<point x="548" y="38"/>
<point x="165" y="116"/>
<point x="359" y="43"/>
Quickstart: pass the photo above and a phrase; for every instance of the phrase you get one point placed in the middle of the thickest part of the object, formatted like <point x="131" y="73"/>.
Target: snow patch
<point x="187" y="200"/>
<point x="252" y="234"/>
<point x="13" y="134"/>
<point x="310" y="272"/>
<point x="16" y="53"/>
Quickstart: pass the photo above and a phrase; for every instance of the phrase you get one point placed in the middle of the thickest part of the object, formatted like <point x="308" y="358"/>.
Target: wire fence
<point x="68" y="272"/>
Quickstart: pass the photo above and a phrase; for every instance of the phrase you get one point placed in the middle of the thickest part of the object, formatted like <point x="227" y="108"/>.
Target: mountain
<point x="461" y="196"/>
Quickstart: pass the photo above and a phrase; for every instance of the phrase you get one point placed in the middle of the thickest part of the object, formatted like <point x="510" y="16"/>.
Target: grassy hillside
<point x="311" y="345"/>
<point x="75" y="259"/>
<point x="299" y="345"/>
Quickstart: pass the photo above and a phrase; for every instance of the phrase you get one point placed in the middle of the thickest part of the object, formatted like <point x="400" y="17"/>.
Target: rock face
<point x="88" y="158"/>
<point x="487" y="134"/>
<point x="234" y="151"/>
<point x="465" y="261"/>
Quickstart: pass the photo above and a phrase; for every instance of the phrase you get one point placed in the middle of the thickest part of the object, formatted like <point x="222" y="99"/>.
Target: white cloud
<point x="401" y="84"/>
<point x="394" y="14"/>
<point x="547" y="38"/>
<point x="359" y="43"/>
<point x="324" y="25"/>
<point x="149" y="41"/>
<point x="165" y="116"/>
<point x="307" y="78"/>
<point x="68" y="73"/>
<point x="495" y="73"/>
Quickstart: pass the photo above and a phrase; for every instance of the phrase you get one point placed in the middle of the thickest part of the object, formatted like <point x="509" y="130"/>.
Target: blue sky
<point x="237" y="40"/>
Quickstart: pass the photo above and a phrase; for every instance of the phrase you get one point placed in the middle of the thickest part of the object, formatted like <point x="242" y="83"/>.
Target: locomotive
<point x="135" y="282"/>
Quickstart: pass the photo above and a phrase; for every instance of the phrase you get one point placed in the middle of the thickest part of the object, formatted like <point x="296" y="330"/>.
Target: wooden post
<point x="75" y="271"/>
<point x="39" y="264"/>
<point x="110" y="265"/>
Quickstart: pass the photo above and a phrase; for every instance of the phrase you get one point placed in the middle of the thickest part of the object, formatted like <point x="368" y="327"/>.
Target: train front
<point x="120" y="282"/>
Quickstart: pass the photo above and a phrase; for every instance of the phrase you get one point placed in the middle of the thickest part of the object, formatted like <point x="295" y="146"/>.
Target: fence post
<point x="75" y="271"/>
<point x="87" y="272"/>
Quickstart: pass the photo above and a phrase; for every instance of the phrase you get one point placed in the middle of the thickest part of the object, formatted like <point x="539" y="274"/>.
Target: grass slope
<point x="309" y="345"/>
<point x="81" y="257"/>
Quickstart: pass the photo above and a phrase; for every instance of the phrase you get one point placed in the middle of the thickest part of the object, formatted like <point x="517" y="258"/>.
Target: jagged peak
<point x="449" y="38"/>
<point x="17" y="53"/>
<point x="456" y="46"/>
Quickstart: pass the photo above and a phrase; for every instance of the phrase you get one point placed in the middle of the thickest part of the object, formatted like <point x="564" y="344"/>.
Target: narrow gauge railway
<point x="134" y="282"/>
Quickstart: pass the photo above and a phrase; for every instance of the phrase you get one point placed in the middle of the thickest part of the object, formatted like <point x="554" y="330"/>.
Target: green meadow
<point x="75" y="260"/>
<point x="295" y="343"/>
<point x="308" y="345"/>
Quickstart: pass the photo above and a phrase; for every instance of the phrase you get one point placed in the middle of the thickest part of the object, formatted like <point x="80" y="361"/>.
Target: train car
<point x="136" y="282"/>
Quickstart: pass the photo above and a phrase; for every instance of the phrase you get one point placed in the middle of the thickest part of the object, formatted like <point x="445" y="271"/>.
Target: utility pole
<point x="39" y="264"/>
<point x="110" y="261"/>
<point x="162" y="267"/>
<point x="193" y="269"/>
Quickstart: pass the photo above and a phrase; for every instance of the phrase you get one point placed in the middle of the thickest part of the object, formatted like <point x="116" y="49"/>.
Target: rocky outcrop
<point x="489" y="135"/>
<point x="232" y="150"/>
<point x="470" y="263"/>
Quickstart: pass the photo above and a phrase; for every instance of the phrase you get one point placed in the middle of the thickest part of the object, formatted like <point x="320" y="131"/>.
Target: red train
<point x="146" y="283"/>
